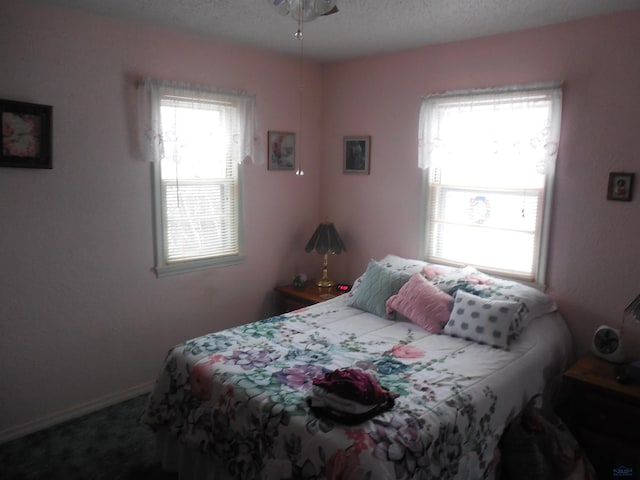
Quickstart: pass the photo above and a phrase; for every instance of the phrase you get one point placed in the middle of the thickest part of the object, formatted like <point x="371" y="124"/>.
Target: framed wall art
<point x="357" y="154"/>
<point x="25" y="134"/>
<point x="281" y="151"/>
<point x="620" y="186"/>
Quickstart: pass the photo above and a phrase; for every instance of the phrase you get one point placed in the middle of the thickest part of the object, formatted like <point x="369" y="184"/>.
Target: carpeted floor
<point x="111" y="444"/>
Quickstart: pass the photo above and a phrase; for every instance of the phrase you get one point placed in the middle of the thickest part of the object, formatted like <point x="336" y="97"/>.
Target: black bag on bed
<point x="349" y="396"/>
<point x="537" y="446"/>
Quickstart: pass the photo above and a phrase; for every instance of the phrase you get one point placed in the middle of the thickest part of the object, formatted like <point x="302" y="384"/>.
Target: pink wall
<point x="83" y="320"/>
<point x="594" y="265"/>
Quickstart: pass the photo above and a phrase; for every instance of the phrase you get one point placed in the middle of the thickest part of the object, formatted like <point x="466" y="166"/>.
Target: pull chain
<point x="300" y="37"/>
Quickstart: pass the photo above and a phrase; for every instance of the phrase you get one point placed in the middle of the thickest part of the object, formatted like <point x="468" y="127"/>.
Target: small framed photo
<point x="25" y="134"/>
<point x="357" y="154"/>
<point x="281" y="153"/>
<point x="620" y="186"/>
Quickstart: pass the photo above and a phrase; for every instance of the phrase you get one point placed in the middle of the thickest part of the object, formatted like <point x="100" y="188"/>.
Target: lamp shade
<point x="325" y="240"/>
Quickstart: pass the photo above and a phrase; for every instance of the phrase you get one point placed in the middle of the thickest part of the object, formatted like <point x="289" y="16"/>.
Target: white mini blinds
<point x="197" y="138"/>
<point x="491" y="157"/>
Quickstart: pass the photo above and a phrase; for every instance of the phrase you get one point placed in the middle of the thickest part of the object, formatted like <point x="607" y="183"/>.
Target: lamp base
<point x="325" y="283"/>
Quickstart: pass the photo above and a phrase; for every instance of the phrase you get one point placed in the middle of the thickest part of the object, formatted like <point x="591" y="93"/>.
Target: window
<point x="196" y="146"/>
<point x="490" y="159"/>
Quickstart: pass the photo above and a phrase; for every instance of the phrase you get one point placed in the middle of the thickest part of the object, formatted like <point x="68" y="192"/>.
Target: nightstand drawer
<point x="607" y="414"/>
<point x="604" y="416"/>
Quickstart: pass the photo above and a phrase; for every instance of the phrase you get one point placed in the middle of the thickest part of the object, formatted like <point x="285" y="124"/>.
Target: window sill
<point x="196" y="265"/>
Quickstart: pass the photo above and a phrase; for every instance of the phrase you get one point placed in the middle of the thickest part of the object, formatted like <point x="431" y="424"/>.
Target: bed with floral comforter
<point x="236" y="398"/>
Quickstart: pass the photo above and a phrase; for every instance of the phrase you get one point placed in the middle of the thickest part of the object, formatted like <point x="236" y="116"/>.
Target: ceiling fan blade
<point x="331" y="12"/>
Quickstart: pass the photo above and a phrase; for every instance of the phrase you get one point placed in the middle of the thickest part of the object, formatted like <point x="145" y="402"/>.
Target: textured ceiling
<point x="361" y="27"/>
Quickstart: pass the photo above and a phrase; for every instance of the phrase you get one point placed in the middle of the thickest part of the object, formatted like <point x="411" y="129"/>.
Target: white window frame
<point x="428" y="201"/>
<point x="164" y="266"/>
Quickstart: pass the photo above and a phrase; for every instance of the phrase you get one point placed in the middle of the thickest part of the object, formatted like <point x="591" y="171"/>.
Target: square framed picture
<point x="25" y="134"/>
<point x="281" y="154"/>
<point x="620" y="186"/>
<point x="357" y="154"/>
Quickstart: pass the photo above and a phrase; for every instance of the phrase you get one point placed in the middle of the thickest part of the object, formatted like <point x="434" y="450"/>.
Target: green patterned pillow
<point x="378" y="284"/>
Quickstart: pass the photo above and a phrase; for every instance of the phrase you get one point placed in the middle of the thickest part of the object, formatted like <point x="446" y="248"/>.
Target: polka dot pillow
<point x="481" y="320"/>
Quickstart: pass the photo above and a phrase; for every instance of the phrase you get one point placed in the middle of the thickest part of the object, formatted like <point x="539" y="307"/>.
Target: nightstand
<point x="604" y="416"/>
<point x="293" y="298"/>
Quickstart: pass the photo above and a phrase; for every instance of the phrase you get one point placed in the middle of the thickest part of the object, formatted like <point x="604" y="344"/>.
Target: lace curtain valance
<point x="505" y="134"/>
<point x="153" y="134"/>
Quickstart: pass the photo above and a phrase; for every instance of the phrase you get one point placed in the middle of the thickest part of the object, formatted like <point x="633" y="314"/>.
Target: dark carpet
<point x="111" y="444"/>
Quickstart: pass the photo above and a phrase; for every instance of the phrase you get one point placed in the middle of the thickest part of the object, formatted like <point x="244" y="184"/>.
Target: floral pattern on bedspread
<point x="239" y="396"/>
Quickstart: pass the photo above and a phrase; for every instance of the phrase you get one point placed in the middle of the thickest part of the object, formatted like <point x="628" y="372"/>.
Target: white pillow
<point x="481" y="320"/>
<point x="533" y="302"/>
<point x="400" y="264"/>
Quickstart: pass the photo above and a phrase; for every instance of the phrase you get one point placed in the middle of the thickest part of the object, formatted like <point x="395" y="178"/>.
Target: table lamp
<point x="325" y="240"/>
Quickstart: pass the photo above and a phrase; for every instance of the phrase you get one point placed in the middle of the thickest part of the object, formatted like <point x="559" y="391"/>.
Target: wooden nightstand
<point x="293" y="298"/>
<point x="604" y="415"/>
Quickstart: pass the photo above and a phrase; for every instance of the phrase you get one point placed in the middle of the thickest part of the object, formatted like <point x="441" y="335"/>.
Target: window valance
<point x="244" y="130"/>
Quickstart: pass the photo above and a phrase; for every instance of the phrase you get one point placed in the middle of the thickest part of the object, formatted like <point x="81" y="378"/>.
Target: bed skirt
<point x="193" y="465"/>
<point x="188" y="463"/>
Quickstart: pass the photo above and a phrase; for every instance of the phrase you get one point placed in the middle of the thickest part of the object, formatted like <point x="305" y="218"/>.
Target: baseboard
<point x="56" y="418"/>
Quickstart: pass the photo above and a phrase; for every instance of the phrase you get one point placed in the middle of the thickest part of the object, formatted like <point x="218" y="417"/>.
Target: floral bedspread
<point x="239" y="396"/>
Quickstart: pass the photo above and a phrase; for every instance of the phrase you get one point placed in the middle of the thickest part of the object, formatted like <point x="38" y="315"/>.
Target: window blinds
<point x="199" y="179"/>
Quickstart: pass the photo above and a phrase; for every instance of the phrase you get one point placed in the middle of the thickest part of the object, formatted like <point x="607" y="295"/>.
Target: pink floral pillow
<point x="432" y="271"/>
<point x="422" y="303"/>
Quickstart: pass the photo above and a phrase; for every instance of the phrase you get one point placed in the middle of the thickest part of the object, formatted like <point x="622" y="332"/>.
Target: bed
<point x="235" y="404"/>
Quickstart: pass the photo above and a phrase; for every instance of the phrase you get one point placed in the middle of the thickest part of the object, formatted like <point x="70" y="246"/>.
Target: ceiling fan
<point x="307" y="9"/>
